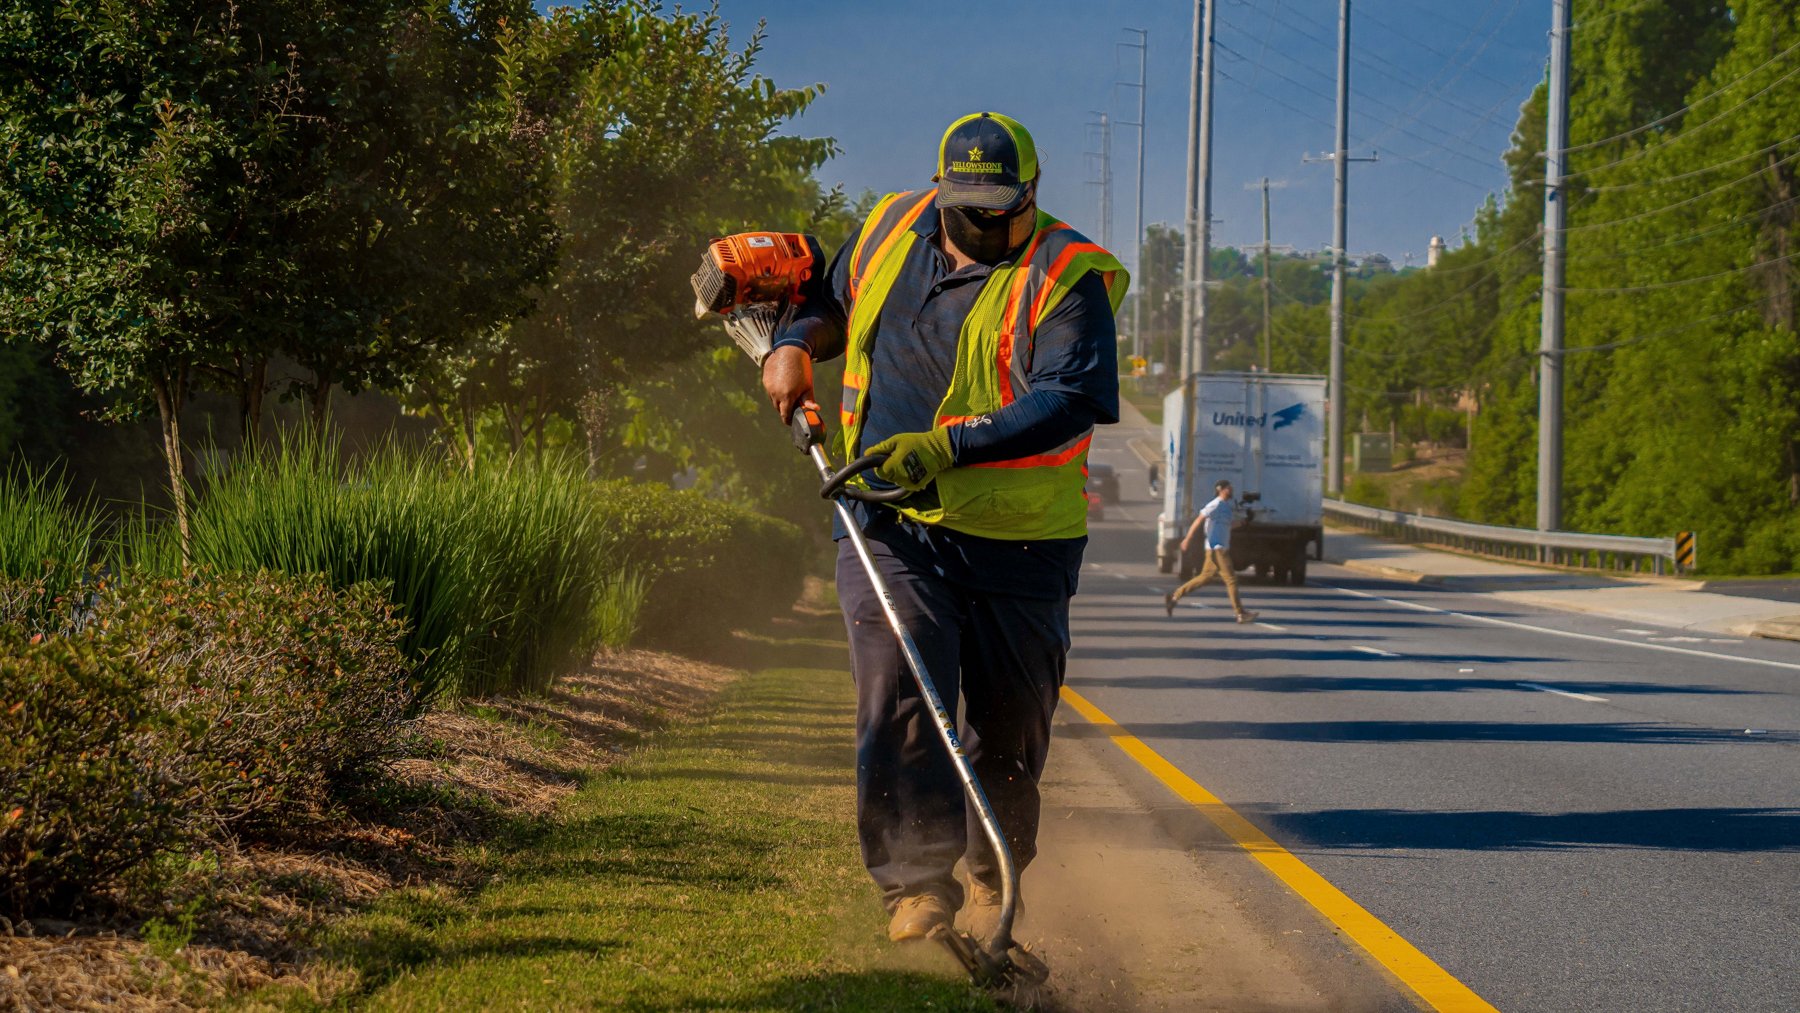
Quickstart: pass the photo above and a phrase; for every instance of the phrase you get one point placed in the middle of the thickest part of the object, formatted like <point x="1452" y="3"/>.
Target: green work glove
<point x="914" y="459"/>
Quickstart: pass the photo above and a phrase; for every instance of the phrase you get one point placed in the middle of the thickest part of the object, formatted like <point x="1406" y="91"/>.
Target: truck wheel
<point x="1297" y="574"/>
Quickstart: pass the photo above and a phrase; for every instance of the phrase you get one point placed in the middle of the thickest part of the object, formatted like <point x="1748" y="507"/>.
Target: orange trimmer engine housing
<point x="755" y="267"/>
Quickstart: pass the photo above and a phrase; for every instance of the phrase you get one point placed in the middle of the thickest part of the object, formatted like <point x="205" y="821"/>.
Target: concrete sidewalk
<point x="1660" y="601"/>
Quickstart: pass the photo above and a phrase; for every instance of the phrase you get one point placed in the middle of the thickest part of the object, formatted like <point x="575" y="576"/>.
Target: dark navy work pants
<point x="1004" y="656"/>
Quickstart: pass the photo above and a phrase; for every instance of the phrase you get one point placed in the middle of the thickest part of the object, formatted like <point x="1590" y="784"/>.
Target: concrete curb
<point x="1390" y="572"/>
<point x="1786" y="628"/>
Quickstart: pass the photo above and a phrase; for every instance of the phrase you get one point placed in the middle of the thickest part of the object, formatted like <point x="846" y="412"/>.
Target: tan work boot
<point x="1247" y="616"/>
<point x="981" y="911"/>
<point x="915" y="917"/>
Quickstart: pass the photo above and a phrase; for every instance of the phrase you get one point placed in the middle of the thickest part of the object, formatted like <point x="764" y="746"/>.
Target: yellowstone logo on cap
<point x="975" y="164"/>
<point x="985" y="160"/>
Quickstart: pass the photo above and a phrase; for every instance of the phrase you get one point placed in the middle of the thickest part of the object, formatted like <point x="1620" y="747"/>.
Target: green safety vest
<point x="1026" y="498"/>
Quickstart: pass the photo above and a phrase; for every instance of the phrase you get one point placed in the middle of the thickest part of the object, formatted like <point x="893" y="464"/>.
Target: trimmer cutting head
<point x="1017" y="967"/>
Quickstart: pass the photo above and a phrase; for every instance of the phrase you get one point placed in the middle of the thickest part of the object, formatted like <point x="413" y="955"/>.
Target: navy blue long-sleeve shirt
<point x="1072" y="369"/>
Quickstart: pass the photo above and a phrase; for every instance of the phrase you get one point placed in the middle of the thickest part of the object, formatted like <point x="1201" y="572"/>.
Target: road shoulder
<point x="1141" y="904"/>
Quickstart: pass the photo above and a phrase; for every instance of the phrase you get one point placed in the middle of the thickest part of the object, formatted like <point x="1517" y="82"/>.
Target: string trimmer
<point x="753" y="280"/>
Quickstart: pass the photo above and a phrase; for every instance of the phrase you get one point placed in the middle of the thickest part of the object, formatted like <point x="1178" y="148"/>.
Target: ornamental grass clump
<point x="48" y="543"/>
<point x="505" y="578"/>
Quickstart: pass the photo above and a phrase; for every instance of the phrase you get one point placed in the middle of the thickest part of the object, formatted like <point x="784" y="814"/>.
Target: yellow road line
<point x="1418" y="972"/>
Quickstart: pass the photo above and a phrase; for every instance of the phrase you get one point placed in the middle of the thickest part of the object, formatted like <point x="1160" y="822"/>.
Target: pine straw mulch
<point x="243" y="914"/>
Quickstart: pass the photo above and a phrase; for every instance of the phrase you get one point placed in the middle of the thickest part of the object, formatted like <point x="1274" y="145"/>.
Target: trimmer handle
<point x="834" y="485"/>
<point x="807" y="427"/>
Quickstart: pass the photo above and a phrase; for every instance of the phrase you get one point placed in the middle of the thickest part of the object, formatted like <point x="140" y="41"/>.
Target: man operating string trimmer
<point x="978" y="342"/>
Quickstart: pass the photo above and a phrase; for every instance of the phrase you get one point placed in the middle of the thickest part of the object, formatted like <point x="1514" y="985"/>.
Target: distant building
<point x="1436" y="250"/>
<point x="1375" y="263"/>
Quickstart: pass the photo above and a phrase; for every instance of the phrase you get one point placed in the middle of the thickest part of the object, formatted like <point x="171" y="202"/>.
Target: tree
<point x="659" y="137"/>
<point x="193" y="189"/>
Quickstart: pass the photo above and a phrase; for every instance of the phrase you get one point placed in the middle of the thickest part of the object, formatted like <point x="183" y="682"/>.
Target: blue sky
<point x="1436" y="89"/>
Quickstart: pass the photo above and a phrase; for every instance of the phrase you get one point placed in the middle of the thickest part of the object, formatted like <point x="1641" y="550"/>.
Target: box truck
<point x="1265" y="434"/>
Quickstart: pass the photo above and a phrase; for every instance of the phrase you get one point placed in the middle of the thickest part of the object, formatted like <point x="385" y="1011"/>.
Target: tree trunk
<point x="254" y="386"/>
<point x="168" y="393"/>
<point x="595" y="414"/>
<point x="320" y="398"/>
<point x="471" y="446"/>
<point x="515" y="425"/>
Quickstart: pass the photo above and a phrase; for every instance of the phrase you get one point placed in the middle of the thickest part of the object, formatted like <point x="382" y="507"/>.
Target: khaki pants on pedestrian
<point x="1218" y="564"/>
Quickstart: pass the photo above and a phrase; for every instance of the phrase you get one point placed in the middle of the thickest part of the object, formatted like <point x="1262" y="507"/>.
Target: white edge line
<point x="1272" y="626"/>
<point x="1578" y="636"/>
<point x="1374" y="650"/>
<point x="1563" y="692"/>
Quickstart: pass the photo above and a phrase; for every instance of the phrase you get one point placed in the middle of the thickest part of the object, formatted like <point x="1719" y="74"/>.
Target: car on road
<point x="1104" y="480"/>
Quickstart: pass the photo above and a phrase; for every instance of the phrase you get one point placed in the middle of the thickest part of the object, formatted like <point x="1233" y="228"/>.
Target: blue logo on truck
<point x="1283" y="418"/>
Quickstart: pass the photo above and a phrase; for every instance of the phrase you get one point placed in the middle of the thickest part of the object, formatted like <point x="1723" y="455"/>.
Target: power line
<point x="1693" y="173"/>
<point x="1364" y="97"/>
<point x="1665" y="332"/>
<point x="1591" y="226"/>
<point x="1403" y="157"/>
<point x="1609" y="15"/>
<point x="1455" y="56"/>
<point x="1722" y="89"/>
<point x="1659" y="286"/>
<point x="1689" y="237"/>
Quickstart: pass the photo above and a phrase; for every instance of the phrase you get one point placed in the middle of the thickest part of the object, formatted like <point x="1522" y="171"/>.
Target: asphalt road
<point x="1563" y="811"/>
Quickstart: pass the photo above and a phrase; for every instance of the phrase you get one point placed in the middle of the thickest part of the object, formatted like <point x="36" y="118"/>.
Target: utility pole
<point x="1198" y="241"/>
<point x="1340" y="170"/>
<point x="1202" y="67"/>
<point x="1101" y="167"/>
<point x="1265" y="186"/>
<point x="1550" y="379"/>
<point x="1142" y="45"/>
<point x="1106" y="215"/>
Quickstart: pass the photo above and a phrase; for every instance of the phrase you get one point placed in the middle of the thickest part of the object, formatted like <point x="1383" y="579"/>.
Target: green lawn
<point x="717" y="869"/>
<point x="1148" y="402"/>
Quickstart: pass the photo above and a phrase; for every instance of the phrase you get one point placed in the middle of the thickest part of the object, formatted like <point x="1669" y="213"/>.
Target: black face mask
<point x="983" y="238"/>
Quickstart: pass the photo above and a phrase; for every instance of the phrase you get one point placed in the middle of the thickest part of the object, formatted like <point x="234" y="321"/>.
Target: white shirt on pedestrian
<point x="1218" y="516"/>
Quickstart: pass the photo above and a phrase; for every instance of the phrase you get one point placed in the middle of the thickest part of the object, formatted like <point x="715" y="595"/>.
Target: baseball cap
<point x="986" y="161"/>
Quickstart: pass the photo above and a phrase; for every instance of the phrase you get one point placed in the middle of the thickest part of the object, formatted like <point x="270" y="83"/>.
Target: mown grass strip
<point x="716" y="870"/>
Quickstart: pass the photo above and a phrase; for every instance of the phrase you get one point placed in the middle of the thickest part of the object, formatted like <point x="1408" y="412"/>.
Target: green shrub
<point x="1366" y="490"/>
<point x="83" y="797"/>
<point x="277" y="688"/>
<point x="712" y="566"/>
<point x="181" y="708"/>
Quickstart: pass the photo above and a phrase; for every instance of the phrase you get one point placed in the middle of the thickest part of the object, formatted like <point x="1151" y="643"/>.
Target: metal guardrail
<point x="1556" y="548"/>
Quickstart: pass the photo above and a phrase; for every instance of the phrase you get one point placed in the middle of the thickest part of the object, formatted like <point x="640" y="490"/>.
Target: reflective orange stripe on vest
<point x="854" y="383"/>
<point x="1011" y="313"/>
<point x="1061" y="455"/>
<point x="858" y="264"/>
